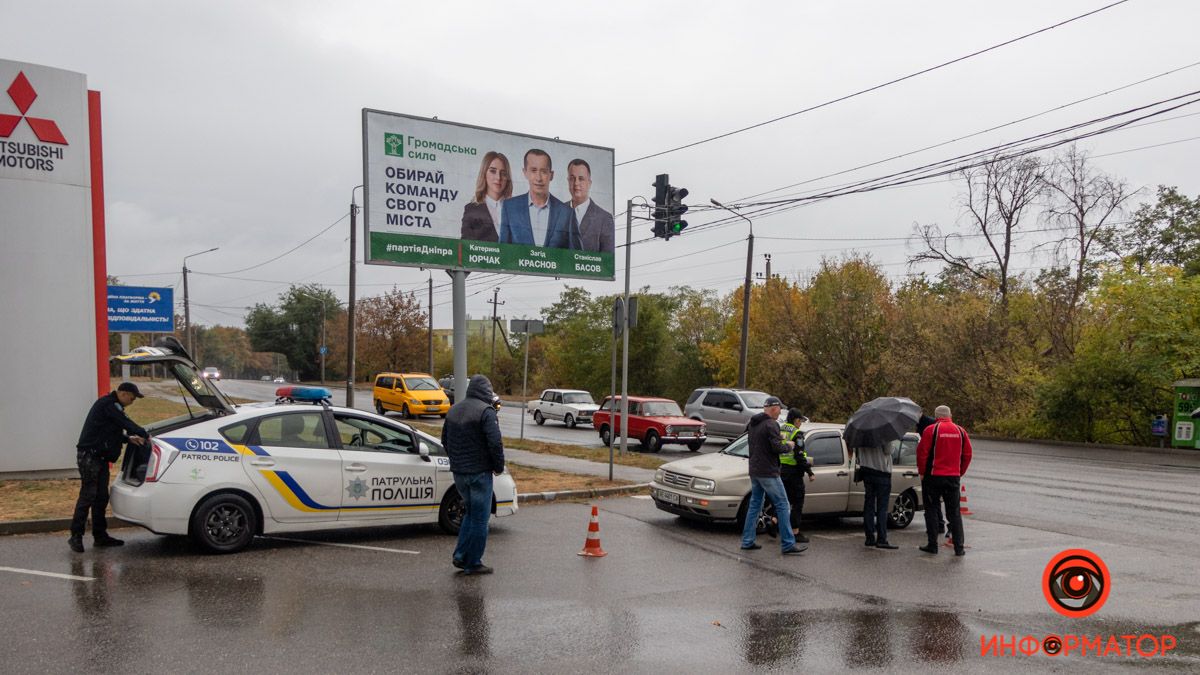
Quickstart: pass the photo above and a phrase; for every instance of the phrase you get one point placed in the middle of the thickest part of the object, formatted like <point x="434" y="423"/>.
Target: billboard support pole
<point x="625" y="338"/>
<point x="124" y="350"/>
<point x="459" y="284"/>
<point x="350" y="335"/>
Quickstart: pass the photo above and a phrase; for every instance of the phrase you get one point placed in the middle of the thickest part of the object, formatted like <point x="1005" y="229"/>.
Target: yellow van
<point x="413" y="394"/>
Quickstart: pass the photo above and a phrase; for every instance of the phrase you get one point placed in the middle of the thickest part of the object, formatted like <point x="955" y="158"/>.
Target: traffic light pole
<point x="625" y="339"/>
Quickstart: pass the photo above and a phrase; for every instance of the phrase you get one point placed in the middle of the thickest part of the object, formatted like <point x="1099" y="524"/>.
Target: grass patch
<point x="531" y="479"/>
<point x="641" y="460"/>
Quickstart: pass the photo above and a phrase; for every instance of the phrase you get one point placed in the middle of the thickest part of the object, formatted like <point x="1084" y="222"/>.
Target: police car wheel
<point x="569" y="420"/>
<point x="450" y="515"/>
<point x="223" y="523"/>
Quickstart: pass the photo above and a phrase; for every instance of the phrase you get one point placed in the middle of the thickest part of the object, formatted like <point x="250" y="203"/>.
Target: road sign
<point x="531" y="326"/>
<point x="324" y="350"/>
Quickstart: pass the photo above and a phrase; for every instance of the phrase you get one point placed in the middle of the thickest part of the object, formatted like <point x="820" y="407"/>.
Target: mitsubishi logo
<point x="23" y="95"/>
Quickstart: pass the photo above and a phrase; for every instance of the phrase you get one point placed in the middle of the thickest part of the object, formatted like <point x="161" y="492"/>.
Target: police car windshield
<point x="421" y="383"/>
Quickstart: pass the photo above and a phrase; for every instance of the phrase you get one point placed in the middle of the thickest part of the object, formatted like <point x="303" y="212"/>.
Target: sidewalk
<point x="584" y="467"/>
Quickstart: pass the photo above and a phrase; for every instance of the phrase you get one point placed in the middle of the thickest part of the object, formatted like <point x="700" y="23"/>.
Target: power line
<point x="876" y="87"/>
<point x="287" y="252"/>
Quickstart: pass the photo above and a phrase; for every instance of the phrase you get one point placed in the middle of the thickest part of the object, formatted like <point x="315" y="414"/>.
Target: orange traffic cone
<point x="591" y="547"/>
<point x="962" y="503"/>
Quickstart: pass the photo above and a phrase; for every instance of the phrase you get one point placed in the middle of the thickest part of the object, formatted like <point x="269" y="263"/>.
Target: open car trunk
<point x="199" y="394"/>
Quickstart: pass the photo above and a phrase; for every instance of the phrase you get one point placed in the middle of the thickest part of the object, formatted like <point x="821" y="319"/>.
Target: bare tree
<point x="1085" y="206"/>
<point x="997" y="196"/>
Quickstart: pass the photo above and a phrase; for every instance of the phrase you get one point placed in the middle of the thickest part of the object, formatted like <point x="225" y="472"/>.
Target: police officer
<point x="104" y="432"/>
<point x="792" y="467"/>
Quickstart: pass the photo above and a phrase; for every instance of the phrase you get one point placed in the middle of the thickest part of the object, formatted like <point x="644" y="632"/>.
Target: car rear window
<point x="695" y="395"/>
<point x="236" y="433"/>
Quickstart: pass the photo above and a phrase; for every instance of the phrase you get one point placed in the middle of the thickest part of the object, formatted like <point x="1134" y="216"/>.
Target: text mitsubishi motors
<point x="454" y="196"/>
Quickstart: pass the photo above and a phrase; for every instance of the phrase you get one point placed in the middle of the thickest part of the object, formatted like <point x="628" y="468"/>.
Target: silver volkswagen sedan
<point x="716" y="486"/>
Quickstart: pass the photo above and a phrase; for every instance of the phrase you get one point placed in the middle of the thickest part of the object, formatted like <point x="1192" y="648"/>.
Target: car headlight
<point x="658" y="475"/>
<point x="703" y="485"/>
<point x="670" y="430"/>
<point x="703" y="429"/>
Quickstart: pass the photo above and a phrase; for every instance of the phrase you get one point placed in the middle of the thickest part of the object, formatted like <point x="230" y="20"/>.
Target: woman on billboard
<point x="481" y="217"/>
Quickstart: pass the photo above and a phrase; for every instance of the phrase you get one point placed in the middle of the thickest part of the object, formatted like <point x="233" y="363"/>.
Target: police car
<point x="224" y="473"/>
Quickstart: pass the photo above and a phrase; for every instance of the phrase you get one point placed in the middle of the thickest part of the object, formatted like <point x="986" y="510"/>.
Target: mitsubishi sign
<point x="52" y="270"/>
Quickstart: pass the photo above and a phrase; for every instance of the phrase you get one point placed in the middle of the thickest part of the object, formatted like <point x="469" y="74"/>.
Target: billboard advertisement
<point x="138" y="309"/>
<point x="446" y="195"/>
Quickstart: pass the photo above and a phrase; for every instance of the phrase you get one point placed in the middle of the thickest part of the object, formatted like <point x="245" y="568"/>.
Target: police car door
<point x="384" y="476"/>
<point x="296" y="468"/>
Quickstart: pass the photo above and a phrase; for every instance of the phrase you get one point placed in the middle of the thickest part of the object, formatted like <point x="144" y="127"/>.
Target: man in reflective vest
<point x="792" y="467"/>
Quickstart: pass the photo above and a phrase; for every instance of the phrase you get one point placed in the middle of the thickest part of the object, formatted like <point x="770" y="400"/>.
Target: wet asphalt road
<point x="671" y="596"/>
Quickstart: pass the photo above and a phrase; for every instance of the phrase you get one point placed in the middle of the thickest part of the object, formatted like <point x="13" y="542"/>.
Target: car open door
<point x="829" y="491"/>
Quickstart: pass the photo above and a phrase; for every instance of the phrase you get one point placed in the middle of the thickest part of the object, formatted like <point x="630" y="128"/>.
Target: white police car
<point x="224" y="473"/>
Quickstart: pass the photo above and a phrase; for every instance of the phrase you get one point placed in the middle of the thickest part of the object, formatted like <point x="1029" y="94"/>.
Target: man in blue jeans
<point x="766" y="445"/>
<point x="471" y="436"/>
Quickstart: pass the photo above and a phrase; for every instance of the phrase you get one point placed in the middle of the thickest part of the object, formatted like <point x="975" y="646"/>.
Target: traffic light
<point x="662" y="189"/>
<point x="675" y="210"/>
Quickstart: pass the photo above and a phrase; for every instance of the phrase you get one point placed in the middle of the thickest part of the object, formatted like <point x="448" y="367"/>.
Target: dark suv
<point x="725" y="412"/>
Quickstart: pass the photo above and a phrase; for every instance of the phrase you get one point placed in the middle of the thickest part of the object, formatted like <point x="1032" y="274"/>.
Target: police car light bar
<point x="302" y="395"/>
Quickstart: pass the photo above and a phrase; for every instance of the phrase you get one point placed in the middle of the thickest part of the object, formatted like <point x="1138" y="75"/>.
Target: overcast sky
<point x="238" y="124"/>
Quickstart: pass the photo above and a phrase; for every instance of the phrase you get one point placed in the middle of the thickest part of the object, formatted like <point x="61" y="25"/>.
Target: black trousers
<point x="877" y="490"/>
<point x="939" y="491"/>
<point x="93" y="495"/>
<point x="793" y="485"/>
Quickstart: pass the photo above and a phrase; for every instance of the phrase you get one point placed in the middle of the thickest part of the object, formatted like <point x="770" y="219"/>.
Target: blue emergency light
<point x="302" y="395"/>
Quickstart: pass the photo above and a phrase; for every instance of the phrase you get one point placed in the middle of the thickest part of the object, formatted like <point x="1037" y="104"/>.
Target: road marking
<point x="56" y="575"/>
<point x="837" y="536"/>
<point x="640" y="496"/>
<point x="995" y="573"/>
<point x="329" y="543"/>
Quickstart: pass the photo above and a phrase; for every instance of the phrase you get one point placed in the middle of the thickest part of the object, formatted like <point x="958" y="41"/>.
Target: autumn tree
<point x="391" y="334"/>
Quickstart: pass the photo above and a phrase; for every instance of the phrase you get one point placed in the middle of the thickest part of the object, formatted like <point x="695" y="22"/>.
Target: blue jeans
<point x="476" y="492"/>
<point x="773" y="488"/>
<point x="878" y="488"/>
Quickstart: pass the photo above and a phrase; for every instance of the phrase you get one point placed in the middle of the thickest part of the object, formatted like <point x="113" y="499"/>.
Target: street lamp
<point x="745" y="294"/>
<point x="187" y="310"/>
<point x="351" y="343"/>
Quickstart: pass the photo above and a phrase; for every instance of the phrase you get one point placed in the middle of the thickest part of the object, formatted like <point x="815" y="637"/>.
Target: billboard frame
<point x="367" y="197"/>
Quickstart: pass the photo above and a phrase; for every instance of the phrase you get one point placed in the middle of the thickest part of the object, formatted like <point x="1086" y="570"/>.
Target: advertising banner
<point x="454" y="196"/>
<point x="138" y="309"/>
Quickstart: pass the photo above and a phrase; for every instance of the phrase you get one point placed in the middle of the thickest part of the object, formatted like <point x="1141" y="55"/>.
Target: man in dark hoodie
<point x="471" y="436"/>
<point x="766" y="445"/>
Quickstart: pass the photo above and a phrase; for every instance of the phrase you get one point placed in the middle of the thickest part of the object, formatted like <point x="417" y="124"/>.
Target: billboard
<point x="138" y="309"/>
<point x="446" y="195"/>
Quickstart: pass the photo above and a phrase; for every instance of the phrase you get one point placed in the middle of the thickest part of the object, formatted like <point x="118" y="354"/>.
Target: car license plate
<point x="668" y="497"/>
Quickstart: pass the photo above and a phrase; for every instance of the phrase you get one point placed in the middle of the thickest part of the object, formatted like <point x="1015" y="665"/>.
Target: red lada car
<point x="652" y="422"/>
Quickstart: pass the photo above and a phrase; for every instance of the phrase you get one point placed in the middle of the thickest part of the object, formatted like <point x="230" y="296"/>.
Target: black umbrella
<point x="884" y="419"/>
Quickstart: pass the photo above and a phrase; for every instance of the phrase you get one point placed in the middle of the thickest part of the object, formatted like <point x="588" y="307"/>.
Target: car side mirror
<point x="737" y="407"/>
<point x="423" y="450"/>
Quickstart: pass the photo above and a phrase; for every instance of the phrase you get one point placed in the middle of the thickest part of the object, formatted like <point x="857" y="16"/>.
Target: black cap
<point x="131" y="388"/>
<point x="772" y="400"/>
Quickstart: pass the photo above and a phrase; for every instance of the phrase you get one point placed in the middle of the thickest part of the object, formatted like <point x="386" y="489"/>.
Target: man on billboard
<point x="537" y="217"/>
<point x="594" y="223"/>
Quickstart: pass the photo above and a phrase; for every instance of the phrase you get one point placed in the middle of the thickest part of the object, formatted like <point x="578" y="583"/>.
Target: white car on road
<point x="224" y="473"/>
<point x="571" y="406"/>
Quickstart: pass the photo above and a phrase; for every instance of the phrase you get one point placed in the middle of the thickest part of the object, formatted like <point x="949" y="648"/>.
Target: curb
<point x="580" y="494"/>
<point x="46" y="525"/>
<point x="1150" y="449"/>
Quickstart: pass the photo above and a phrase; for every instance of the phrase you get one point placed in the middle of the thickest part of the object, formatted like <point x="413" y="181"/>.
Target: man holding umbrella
<point x="868" y="431"/>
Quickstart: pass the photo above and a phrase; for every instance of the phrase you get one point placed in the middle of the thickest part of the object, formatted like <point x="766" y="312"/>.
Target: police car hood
<point x="168" y="352"/>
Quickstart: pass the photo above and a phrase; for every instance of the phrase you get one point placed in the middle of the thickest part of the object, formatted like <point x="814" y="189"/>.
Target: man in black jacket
<point x="766" y="445"/>
<point x="104" y="432"/>
<point x="471" y="436"/>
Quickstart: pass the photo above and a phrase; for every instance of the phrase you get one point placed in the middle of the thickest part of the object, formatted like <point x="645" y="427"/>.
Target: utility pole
<point x="625" y="343"/>
<point x="495" y="303"/>
<point x="768" y="257"/>
<point x="745" y="295"/>
<point x="350" y="341"/>
<point x="187" y="309"/>
<point x="323" y="347"/>
<point x="431" y="373"/>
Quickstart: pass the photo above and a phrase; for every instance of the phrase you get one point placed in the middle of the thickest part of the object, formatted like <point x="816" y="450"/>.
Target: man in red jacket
<point x="943" y="456"/>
